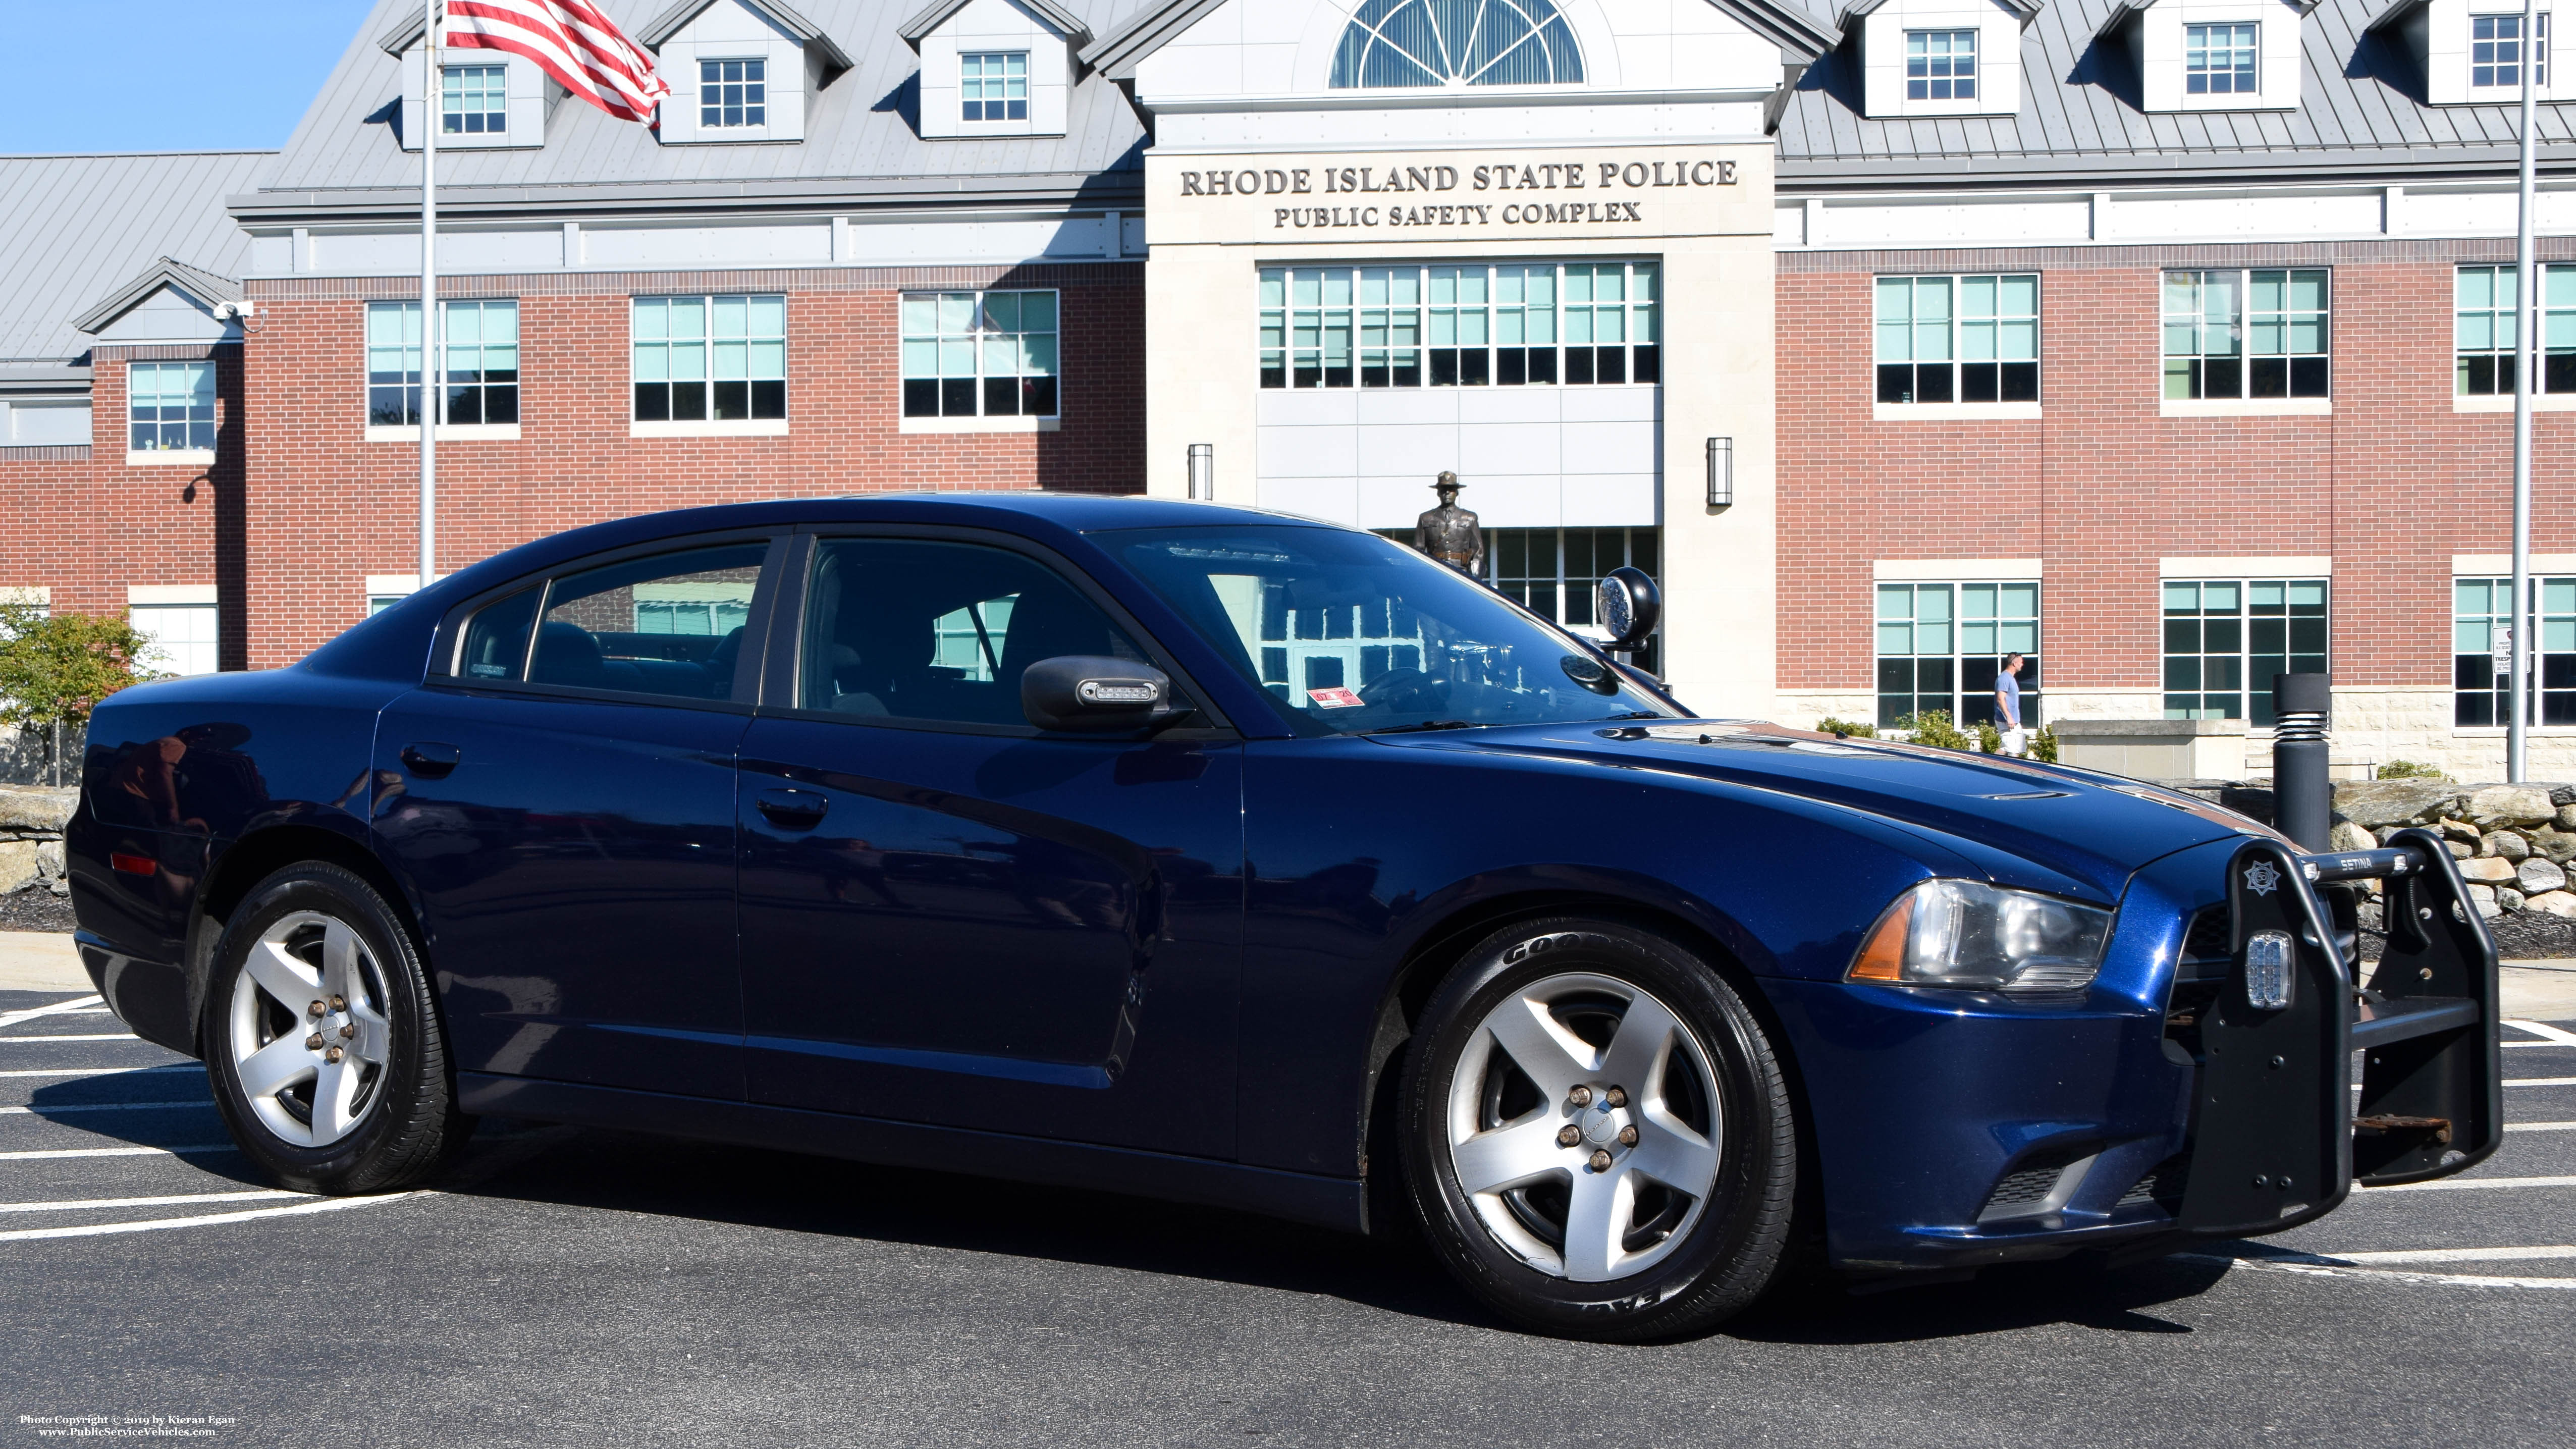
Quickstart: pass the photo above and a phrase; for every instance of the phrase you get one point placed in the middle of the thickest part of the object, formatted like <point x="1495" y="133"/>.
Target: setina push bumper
<point x="2278" y="1136"/>
<point x="2199" y="1085"/>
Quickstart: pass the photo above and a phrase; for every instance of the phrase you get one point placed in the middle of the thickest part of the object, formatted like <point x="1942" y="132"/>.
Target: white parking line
<point x="2452" y="1184"/>
<point x="2508" y="1044"/>
<point x="209" y="1101"/>
<point x="149" y="1152"/>
<point x="165" y="1200"/>
<point x="95" y="1230"/>
<point x="129" y="1036"/>
<point x="2540" y="1126"/>
<point x="2455" y="1255"/>
<point x="2509" y="1081"/>
<point x="2553" y="1035"/>
<point x="2385" y="1275"/>
<point x="78" y="1003"/>
<point x="130" y="1071"/>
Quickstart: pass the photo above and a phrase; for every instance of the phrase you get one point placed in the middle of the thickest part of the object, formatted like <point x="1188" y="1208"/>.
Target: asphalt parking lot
<point x="579" y="1287"/>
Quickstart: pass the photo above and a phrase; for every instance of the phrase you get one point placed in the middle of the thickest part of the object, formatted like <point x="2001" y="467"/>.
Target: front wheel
<point x="1598" y="1137"/>
<point x="321" y="1038"/>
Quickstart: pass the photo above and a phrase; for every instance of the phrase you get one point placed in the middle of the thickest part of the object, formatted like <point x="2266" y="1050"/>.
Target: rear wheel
<point x="321" y="1038"/>
<point x="1598" y="1136"/>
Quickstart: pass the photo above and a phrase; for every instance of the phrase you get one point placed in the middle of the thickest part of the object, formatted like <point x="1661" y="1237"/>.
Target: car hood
<point x="2079" y="825"/>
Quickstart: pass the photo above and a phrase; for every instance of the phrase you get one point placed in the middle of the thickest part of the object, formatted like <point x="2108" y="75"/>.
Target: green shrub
<point x="2410" y="770"/>
<point x="55" y="668"/>
<point x="1990" y="739"/>
<point x="1847" y="729"/>
<point x="2043" y="745"/>
<point x="1935" y="728"/>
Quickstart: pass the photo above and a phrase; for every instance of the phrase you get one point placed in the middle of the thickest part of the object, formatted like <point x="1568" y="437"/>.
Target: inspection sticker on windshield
<point x="1335" y="698"/>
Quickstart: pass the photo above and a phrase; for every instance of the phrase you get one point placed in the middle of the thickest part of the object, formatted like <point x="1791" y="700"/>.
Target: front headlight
<point x="1963" y="933"/>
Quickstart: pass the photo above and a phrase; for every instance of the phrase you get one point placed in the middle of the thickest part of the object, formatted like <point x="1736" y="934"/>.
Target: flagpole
<point x="2526" y="352"/>
<point x="433" y="370"/>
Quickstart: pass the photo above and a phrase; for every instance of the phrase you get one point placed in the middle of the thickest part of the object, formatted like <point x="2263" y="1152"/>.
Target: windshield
<point x="1350" y="633"/>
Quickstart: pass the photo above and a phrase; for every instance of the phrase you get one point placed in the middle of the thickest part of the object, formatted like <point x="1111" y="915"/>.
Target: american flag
<point x="571" y="41"/>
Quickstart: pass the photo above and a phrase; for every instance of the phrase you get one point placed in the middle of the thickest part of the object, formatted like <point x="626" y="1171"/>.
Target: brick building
<point x="2164" y="340"/>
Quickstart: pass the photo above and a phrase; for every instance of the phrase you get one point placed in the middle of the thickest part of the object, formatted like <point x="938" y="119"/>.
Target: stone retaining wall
<point x="31" y="837"/>
<point x="2516" y="844"/>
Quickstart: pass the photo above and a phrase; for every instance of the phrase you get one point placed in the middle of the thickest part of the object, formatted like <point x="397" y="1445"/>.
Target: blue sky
<point x="164" y="75"/>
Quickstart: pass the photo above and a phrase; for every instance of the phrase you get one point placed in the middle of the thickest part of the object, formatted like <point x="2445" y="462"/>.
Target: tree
<point x="55" y="668"/>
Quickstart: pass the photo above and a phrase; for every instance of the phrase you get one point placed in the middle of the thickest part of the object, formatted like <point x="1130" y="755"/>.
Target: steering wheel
<point x="1402" y="689"/>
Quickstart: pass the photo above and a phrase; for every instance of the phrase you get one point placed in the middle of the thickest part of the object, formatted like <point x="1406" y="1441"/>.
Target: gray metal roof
<point x="2361" y="112"/>
<point x="76" y="229"/>
<point x="938" y="12"/>
<point x="861" y="140"/>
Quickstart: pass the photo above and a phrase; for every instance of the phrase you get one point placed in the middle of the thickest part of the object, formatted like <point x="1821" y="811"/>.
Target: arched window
<point x="1457" y="43"/>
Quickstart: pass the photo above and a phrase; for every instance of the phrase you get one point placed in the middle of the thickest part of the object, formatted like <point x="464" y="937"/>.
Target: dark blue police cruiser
<point x="1236" y="859"/>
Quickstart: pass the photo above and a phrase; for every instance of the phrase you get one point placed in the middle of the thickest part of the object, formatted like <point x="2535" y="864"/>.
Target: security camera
<point x="229" y="311"/>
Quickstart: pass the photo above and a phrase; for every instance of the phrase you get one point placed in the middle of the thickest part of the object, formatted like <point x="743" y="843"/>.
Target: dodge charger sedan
<point x="1237" y="859"/>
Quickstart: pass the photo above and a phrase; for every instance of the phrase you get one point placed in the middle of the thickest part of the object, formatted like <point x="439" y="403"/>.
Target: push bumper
<point x="1957" y="1131"/>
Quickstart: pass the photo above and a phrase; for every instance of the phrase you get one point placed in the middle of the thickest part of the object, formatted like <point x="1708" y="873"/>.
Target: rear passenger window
<point x="496" y="643"/>
<point x="671" y="624"/>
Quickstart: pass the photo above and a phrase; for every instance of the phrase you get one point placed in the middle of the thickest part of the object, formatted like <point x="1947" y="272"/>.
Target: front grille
<point x="2163" y="1185"/>
<point x="2031" y="1183"/>
<point x="2208" y="938"/>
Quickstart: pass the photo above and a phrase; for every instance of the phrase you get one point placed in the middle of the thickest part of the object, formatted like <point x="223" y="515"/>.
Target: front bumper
<point x="1955" y="1130"/>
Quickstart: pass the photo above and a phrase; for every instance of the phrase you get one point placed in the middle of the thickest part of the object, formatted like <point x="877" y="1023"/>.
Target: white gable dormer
<point x="2469" y="50"/>
<point x="2212" y="55"/>
<point x="1939" y="57"/>
<point x="741" y="71"/>
<point x="489" y="99"/>
<point x="995" y="67"/>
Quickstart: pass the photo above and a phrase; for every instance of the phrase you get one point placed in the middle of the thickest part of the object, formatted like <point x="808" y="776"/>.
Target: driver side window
<point x="932" y="632"/>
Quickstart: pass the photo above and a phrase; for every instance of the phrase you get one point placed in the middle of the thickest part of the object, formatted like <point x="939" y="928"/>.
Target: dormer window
<point x="475" y="100"/>
<point x="2496" y="51"/>
<point x="1940" y="65"/>
<point x="995" y="84"/>
<point x="733" y="94"/>
<point x="2219" y="60"/>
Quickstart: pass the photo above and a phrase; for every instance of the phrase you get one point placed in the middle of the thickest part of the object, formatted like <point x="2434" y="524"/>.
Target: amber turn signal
<point x="1882" y="956"/>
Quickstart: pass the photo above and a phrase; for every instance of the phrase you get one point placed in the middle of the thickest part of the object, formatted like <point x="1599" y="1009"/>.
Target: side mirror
<point x="1631" y="606"/>
<point x="1092" y="694"/>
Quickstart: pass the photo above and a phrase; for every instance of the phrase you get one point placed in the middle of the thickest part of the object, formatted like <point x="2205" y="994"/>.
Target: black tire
<point x="408" y="1125"/>
<point x="1728" y="1243"/>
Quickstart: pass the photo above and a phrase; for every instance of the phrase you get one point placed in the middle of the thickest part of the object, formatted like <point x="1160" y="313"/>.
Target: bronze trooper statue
<point x="1450" y="533"/>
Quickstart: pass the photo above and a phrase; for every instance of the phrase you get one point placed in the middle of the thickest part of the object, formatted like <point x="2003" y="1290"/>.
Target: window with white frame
<point x="981" y="354"/>
<point x="2483" y="334"/>
<point x="474" y="100"/>
<point x="482" y="341"/>
<point x="171" y="406"/>
<point x="2226" y="638"/>
<point x="733" y="94"/>
<point x="1958" y="339"/>
<point x="1555" y="572"/>
<point x="183" y="637"/>
<point x="1474" y="325"/>
<point x="1941" y="646"/>
<point x="995" y="84"/>
<point x="2219" y="60"/>
<point x="2245" y="334"/>
<point x="710" y="359"/>
<point x="1940" y="65"/>
<point x="2496" y="51"/>
<point x="2482" y="652"/>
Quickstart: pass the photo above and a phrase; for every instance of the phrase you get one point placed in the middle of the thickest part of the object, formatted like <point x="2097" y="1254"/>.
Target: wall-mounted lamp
<point x="1203" y="472"/>
<point x="1721" y="472"/>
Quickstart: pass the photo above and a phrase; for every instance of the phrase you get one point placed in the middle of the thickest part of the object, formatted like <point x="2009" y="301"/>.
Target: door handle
<point x="430" y="759"/>
<point x="793" y="809"/>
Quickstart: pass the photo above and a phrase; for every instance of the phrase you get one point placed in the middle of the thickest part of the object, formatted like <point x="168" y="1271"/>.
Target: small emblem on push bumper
<point x="2262" y="878"/>
<point x="2267" y="967"/>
